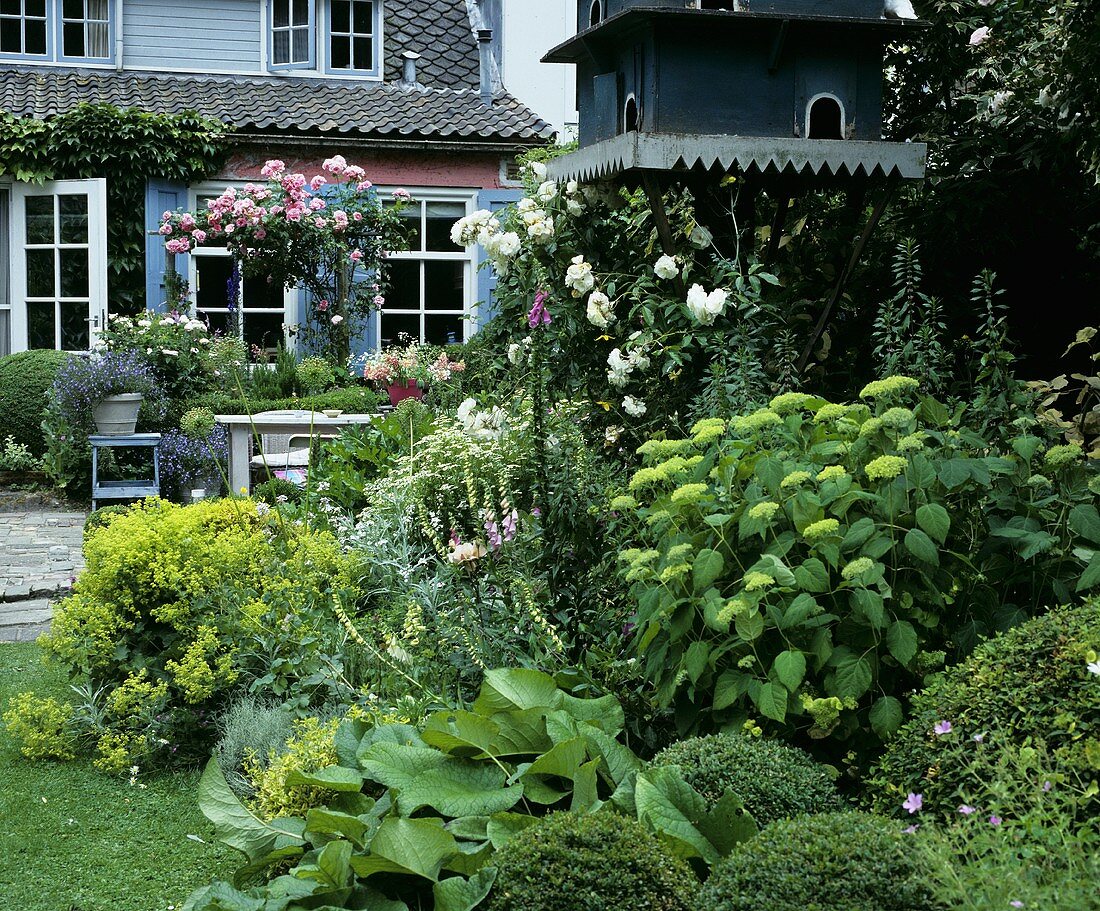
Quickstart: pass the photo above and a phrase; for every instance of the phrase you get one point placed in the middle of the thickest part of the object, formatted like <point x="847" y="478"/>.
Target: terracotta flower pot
<point x="117" y="415"/>
<point x="410" y="389"/>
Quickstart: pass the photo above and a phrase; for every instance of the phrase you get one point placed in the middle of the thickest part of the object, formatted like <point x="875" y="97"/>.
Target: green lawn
<point x="72" y="839"/>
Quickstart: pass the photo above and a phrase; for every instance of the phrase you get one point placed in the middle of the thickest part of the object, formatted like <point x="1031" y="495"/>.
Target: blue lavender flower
<point x="187" y="463"/>
<point x="83" y="382"/>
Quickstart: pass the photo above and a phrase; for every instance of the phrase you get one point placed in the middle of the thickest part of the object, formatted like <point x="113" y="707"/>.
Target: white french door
<point x="58" y="250"/>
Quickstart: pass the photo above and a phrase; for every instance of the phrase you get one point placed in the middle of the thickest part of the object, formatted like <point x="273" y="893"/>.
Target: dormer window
<point x="56" y="30"/>
<point x="334" y="36"/>
<point x="353" y="31"/>
<point x="291" y="34"/>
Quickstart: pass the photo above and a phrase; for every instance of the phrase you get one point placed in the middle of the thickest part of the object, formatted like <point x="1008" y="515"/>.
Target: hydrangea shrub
<point x="803" y="565"/>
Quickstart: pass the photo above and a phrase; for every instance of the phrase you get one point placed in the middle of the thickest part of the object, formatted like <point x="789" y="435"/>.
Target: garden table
<point x="295" y="423"/>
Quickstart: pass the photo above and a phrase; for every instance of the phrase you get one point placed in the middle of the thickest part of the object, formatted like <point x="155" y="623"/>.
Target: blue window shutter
<point x="160" y="196"/>
<point x="486" y="277"/>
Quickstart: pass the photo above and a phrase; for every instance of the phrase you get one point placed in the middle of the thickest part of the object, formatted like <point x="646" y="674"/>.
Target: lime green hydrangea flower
<point x="870" y="426"/>
<point x="830" y="412"/>
<point x="889" y="388"/>
<point x="630" y="555"/>
<point x="644" y="556"/>
<point x="795" y="479"/>
<point x="822" y="529"/>
<point x="764" y="511"/>
<point x="758" y="420"/>
<point x="670" y="573"/>
<point x="857" y="568"/>
<point x="1060" y="456"/>
<point x="624" y="504"/>
<point x="912" y="443"/>
<point x="689" y="493"/>
<point x="663" y="449"/>
<point x="885" y="468"/>
<point x="756" y="582"/>
<point x="832" y="473"/>
<point x="1038" y="481"/>
<point x="789" y="402"/>
<point x="897" y="418"/>
<point x="1094" y="485"/>
<point x="678" y="552"/>
<point x="708" y="430"/>
<point x="732" y="609"/>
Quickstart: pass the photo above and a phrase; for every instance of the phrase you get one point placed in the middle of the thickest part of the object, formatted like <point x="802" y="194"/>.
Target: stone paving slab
<point x="24" y="621"/>
<point x="40" y="554"/>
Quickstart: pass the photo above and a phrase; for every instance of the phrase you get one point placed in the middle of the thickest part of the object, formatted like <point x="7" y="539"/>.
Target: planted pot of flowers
<point x="404" y="389"/>
<point x="107" y="391"/>
<point x="405" y="372"/>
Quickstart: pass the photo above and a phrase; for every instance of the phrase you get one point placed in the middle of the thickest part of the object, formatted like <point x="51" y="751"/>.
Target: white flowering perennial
<point x="704" y="307"/>
<point x="636" y="408"/>
<point x="476" y="228"/>
<point x="579" y="277"/>
<point x="547" y="191"/>
<point x="620" y="367"/>
<point x="601" y="312"/>
<point x="488" y="424"/>
<point x="666" y="267"/>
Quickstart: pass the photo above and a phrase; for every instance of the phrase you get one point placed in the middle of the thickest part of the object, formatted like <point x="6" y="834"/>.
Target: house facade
<point x="403" y="88"/>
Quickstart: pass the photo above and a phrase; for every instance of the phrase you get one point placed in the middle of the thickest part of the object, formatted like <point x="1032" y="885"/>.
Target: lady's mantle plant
<point x="804" y="564"/>
<point x="329" y="235"/>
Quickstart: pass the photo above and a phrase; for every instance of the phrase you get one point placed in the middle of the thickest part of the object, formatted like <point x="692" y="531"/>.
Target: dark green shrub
<point x="270" y="491"/>
<point x="25" y="378"/>
<point x="831" y="862"/>
<point x="602" y="862"/>
<point x="1027" y="686"/>
<point x="773" y="780"/>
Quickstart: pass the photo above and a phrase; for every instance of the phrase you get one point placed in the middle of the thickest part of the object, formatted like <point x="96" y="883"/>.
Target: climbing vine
<point x="129" y="147"/>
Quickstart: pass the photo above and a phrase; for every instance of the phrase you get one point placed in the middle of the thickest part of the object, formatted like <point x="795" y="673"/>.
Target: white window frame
<point x="423" y="196"/>
<point x="96" y="191"/>
<point x="291" y="296"/>
<point x="5" y="264"/>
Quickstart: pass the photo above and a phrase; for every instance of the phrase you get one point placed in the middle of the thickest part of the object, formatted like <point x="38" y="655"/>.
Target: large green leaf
<point x="934" y="519"/>
<point x="462" y="733"/>
<point x="671" y="807"/>
<point x="728" y="824"/>
<point x="332" y="778"/>
<point x="731" y="686"/>
<point x="707" y="568"/>
<point x="322" y="822"/>
<point x="922" y="547"/>
<point x="886" y="716"/>
<point x="1091" y="576"/>
<point x="618" y="760"/>
<point x="459" y="788"/>
<point x="853" y="676"/>
<point x="771" y="701"/>
<point x="516" y="688"/>
<point x="604" y="712"/>
<point x="236" y="825"/>
<point x="562" y="760"/>
<point x="458" y="894"/>
<point x="586" y="795"/>
<point x="812" y="576"/>
<point x="1085" y="520"/>
<point x="417" y="847"/>
<point x="901" y="640"/>
<point x="503" y="826"/>
<point x="398" y="766"/>
<point x="790" y="668"/>
<point x="520" y="733"/>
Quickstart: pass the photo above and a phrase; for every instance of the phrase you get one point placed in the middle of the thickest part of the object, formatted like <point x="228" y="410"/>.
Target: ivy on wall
<point x="128" y="147"/>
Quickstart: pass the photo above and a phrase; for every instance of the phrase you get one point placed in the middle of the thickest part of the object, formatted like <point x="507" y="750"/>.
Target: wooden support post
<point x="846" y="274"/>
<point x="660" y="220"/>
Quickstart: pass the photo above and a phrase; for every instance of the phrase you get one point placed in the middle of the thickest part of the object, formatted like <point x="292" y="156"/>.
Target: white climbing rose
<point x="666" y="267"/>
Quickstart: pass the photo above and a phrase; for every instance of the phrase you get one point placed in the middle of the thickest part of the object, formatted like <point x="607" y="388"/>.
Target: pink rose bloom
<point x="354" y="172"/>
<point x="187" y="222"/>
<point x="364" y="185"/>
<point x="323" y="305"/>
<point x="273" y="168"/>
<point x="356" y="255"/>
<point x="316" y="204"/>
<point x="200" y="235"/>
<point x="335" y="165"/>
<point x="178" y="246"/>
<point x="165" y="229"/>
<point x="980" y="36"/>
<point x="167" y="216"/>
<point x="402" y="194"/>
<point x="260" y="234"/>
<point x="318" y="181"/>
<point x="379" y="300"/>
<point x="357" y="216"/>
<point x="340" y="217"/>
<point x="294" y="182"/>
<point x="320" y="222"/>
<point x="294" y="214"/>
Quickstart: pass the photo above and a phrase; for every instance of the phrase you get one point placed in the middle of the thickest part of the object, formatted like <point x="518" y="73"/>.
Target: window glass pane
<point x="412" y="213"/>
<point x="36" y="8"/>
<point x="98" y="9"/>
<point x="212" y="274"/>
<point x="301" y="45"/>
<point x="443" y="285"/>
<point x="364" y="53"/>
<point x="11" y="36"/>
<point x="40" y="273"/>
<point x="441" y="216"/>
<point x="280" y="47"/>
<point x="40" y="220"/>
<point x="74" y="219"/>
<point x="36" y="36"/>
<point x="98" y="40"/>
<point x="10" y="8"/>
<point x="73" y="9"/>
<point x="218" y="322"/>
<point x="73" y="37"/>
<point x="404" y="290"/>
<point x="340" y="55"/>
<point x="74" y="273"/>
<point x="396" y="324"/>
<point x="5" y="332"/>
<point x="364" y="18"/>
<point x="40" y="325"/>
<point x="74" y="327"/>
<point x="261" y="294"/>
<point x="443" y="330"/>
<point x="301" y="12"/>
<point x="340" y="16"/>
<point x="280" y="13"/>
<point x="265" y="330"/>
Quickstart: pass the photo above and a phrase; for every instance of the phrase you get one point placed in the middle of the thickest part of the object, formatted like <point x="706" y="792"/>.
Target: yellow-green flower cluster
<point x="663" y="471"/>
<point x="891" y="387"/>
<point x="830" y="412"/>
<point x="912" y="443"/>
<point x="756" y="581"/>
<point x="789" y="402"/>
<point x="857" y="568"/>
<point x="708" y="430"/>
<point x="41" y="726"/>
<point x="795" y="479"/>
<point x="751" y="423"/>
<point x="763" y="511"/>
<point x="670" y="573"/>
<point x="832" y="473"/>
<point x="1060" y="456"/>
<point x="885" y="468"/>
<point x="822" y="529"/>
<point x="897" y="418"/>
<point x="624" y="503"/>
<point x="689" y="493"/>
<point x="664" y="449"/>
<point x="312" y="747"/>
<point x="870" y="427"/>
<point x="202" y="672"/>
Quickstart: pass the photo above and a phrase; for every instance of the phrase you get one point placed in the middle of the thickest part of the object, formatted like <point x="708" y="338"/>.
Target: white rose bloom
<point x="705" y="308"/>
<point x="666" y="267"/>
<point x="547" y="191"/>
<point x="573" y="207"/>
<point x="515" y="352"/>
<point x="600" y="310"/>
<point x="701" y="237"/>
<point x="634" y="407"/>
<point x="619" y="369"/>
<point x="579" y="277"/>
<point x="526" y="205"/>
<point x="637" y="359"/>
<point x="507" y="244"/>
<point x="571" y="188"/>
<point x="538" y="169"/>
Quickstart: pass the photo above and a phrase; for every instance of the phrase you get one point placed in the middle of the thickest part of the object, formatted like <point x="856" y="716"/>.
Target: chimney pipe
<point x="408" y="70"/>
<point x="485" y="48"/>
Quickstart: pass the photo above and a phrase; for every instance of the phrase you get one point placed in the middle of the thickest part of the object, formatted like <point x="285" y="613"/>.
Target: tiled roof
<point x="438" y="30"/>
<point x="289" y="104"/>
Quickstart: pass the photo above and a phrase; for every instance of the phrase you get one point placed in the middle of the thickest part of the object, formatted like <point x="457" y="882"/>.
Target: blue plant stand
<point x="124" y="490"/>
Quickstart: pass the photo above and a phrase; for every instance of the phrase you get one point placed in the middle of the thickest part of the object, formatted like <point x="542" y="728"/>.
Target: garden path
<point x="40" y="555"/>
